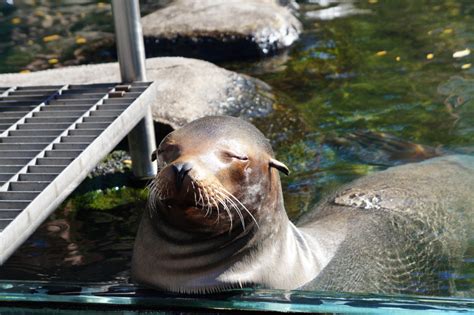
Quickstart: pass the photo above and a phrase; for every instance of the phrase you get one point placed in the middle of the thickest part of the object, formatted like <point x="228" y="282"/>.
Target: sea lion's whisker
<point x="200" y="201"/>
<point x="234" y="205"/>
<point x="207" y="189"/>
<point x="201" y="198"/>
<point x="240" y="203"/>
<point x="207" y="205"/>
<point x="152" y="187"/>
<point x="226" y="208"/>
<point x="194" y="193"/>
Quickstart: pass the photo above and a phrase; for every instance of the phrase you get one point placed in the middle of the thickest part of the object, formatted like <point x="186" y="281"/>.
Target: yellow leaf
<point x="429" y="56"/>
<point x="50" y="38"/>
<point x="381" y="53"/>
<point x="80" y="40"/>
<point x="25" y="71"/>
<point x="397" y="58"/>
<point x="53" y="61"/>
<point x="448" y="31"/>
<point x="373" y="1"/>
<point x="16" y="21"/>
<point x="466" y="66"/>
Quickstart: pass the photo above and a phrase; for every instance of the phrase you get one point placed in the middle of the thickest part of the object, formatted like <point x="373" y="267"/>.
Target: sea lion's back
<point x="408" y="227"/>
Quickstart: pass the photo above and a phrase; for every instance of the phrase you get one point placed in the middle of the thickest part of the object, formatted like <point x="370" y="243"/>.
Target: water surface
<point x="364" y="74"/>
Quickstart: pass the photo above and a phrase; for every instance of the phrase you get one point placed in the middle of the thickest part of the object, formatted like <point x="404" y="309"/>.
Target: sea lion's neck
<point x="185" y="261"/>
<point x="281" y="256"/>
<point x="273" y="253"/>
<point x="286" y="259"/>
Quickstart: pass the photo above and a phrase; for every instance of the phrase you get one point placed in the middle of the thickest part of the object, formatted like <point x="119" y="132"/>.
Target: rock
<point x="220" y="29"/>
<point x="188" y="89"/>
<point x="115" y="162"/>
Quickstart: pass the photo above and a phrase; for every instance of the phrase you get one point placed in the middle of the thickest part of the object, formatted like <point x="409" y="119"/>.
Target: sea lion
<point x="216" y="220"/>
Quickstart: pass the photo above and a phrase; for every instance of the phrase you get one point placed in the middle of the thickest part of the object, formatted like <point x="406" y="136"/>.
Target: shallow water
<point x="360" y="69"/>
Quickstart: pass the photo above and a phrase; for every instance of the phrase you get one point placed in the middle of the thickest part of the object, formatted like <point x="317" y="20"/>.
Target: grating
<point x="51" y="137"/>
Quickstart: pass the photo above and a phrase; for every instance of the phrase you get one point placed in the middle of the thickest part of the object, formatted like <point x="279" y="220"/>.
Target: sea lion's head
<point x="214" y="175"/>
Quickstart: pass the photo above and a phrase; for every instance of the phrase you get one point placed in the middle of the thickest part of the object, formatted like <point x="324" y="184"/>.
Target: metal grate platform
<point x="51" y="137"/>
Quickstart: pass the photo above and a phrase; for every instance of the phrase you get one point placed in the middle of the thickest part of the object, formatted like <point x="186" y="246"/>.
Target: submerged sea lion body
<point x="406" y="228"/>
<point x="217" y="220"/>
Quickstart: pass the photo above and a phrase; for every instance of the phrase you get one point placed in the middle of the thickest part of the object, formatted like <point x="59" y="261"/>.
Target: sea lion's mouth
<point x="201" y="205"/>
<point x="185" y="205"/>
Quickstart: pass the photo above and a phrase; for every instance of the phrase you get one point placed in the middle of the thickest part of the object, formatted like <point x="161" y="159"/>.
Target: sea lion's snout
<point x="180" y="171"/>
<point x="174" y="182"/>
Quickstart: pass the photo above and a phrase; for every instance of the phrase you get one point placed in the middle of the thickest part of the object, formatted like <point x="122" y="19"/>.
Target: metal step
<point x="54" y="161"/>
<point x="62" y="153"/>
<point x="38" y="138"/>
<point x="50" y="139"/>
<point x="58" y="113"/>
<point x="43" y="126"/>
<point x="15" y="114"/>
<point x="28" y="186"/>
<point x="9" y="214"/>
<point x="19" y="153"/>
<point x="85" y="132"/>
<point x="18" y="195"/>
<point x="11" y="205"/>
<point x="32" y="133"/>
<point x="14" y="161"/>
<point x="10" y="168"/>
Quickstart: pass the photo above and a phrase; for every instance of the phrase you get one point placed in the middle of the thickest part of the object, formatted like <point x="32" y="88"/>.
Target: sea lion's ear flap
<point x="154" y="155"/>
<point x="279" y="166"/>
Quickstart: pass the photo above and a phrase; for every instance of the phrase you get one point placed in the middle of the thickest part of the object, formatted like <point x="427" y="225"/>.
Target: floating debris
<point x="397" y="58"/>
<point x="50" y="38"/>
<point x="462" y="53"/>
<point x="39" y="13"/>
<point x="466" y="66"/>
<point x="81" y="40"/>
<point x="429" y="56"/>
<point x="53" y="61"/>
<point x="381" y="53"/>
<point x="16" y="21"/>
<point x="448" y="31"/>
<point x="340" y="11"/>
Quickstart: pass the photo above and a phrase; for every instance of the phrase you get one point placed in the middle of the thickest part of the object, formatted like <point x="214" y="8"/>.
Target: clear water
<point x="381" y="66"/>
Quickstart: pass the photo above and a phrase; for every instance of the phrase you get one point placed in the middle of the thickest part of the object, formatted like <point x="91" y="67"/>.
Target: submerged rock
<point x="221" y="29"/>
<point x="187" y="88"/>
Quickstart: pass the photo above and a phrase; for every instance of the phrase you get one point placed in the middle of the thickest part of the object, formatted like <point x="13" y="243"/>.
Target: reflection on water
<point x="459" y="102"/>
<point x="342" y="9"/>
<point x="370" y="84"/>
<point x="88" y="239"/>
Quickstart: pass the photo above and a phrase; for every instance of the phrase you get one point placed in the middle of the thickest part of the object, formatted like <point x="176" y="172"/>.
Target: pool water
<point x="385" y="72"/>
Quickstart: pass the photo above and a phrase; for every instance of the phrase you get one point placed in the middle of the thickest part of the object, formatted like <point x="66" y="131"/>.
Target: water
<point x="360" y="69"/>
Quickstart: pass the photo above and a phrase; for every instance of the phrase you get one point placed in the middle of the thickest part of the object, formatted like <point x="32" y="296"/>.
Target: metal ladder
<point x="51" y="137"/>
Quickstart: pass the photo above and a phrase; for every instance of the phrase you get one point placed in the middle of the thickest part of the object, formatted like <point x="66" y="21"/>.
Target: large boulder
<point x="220" y="29"/>
<point x="187" y="88"/>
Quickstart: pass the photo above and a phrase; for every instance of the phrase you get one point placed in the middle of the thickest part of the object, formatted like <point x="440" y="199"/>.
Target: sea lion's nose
<point x="181" y="170"/>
